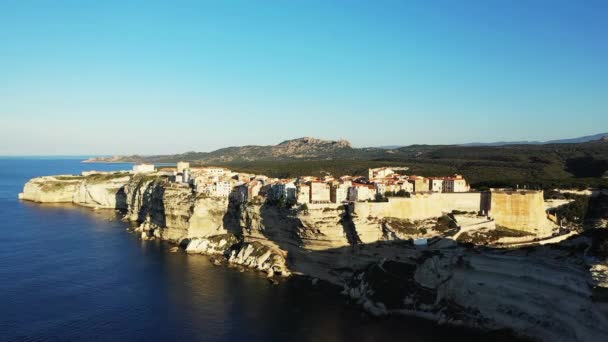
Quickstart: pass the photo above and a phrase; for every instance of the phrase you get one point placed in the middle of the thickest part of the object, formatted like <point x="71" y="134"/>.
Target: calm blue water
<point x="70" y="273"/>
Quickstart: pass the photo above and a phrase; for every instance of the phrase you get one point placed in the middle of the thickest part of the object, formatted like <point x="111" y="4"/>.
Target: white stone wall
<point x="143" y="168"/>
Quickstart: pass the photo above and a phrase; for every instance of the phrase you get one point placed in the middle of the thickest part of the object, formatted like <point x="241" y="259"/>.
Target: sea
<point x="69" y="273"/>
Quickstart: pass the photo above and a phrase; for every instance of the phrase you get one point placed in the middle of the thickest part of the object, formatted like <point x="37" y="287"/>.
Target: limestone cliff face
<point x="168" y="211"/>
<point x="101" y="191"/>
<point x="106" y="194"/>
<point x="303" y="236"/>
<point x="172" y="211"/>
<point x="547" y="292"/>
<point x="51" y="189"/>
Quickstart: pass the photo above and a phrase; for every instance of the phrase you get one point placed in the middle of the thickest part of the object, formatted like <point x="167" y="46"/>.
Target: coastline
<point x="106" y="162"/>
<point x="433" y="282"/>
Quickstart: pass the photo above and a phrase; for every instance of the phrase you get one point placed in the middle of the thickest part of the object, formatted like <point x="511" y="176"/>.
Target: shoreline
<point x="105" y="162"/>
<point x="445" y="282"/>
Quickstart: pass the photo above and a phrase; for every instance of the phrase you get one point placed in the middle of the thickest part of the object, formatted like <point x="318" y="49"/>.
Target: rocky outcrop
<point x="261" y="257"/>
<point x="545" y="292"/>
<point x="95" y="190"/>
<point x="253" y="255"/>
<point x="51" y="189"/>
<point x="213" y="245"/>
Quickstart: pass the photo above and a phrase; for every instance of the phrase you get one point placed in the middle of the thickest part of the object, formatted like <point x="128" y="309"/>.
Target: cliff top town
<point x="432" y="239"/>
<point x="566" y="164"/>
<point x="380" y="183"/>
<point x="386" y="193"/>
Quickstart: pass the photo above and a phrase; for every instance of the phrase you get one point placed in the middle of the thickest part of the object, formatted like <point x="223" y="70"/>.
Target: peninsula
<point x="396" y="243"/>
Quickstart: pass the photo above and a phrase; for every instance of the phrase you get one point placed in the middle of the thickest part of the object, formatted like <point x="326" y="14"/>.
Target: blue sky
<point x="121" y="77"/>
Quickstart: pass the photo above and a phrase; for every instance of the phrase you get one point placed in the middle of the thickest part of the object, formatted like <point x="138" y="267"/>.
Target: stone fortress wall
<point x="521" y="210"/>
<point x="420" y="206"/>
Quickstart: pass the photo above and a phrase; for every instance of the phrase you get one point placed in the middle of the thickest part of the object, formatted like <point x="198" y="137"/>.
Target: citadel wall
<point x="521" y="210"/>
<point x="420" y="206"/>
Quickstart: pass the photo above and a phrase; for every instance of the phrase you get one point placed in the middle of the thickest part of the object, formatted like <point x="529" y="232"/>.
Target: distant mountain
<point x="390" y="147"/>
<point x="586" y="138"/>
<point x="308" y="149"/>
<point x="600" y="136"/>
<point x="305" y="148"/>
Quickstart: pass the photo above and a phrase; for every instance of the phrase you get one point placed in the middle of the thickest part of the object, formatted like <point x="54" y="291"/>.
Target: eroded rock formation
<point x="551" y="292"/>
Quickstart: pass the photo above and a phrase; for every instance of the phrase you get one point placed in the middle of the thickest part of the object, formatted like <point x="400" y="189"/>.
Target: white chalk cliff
<point x="551" y="292"/>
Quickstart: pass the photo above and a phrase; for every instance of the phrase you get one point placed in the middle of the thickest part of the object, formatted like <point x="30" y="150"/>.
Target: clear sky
<point x="122" y="77"/>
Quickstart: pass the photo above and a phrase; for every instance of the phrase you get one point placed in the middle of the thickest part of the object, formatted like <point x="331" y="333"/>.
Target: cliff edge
<point x="551" y="292"/>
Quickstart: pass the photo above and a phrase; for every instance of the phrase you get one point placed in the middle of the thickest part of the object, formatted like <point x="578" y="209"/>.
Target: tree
<point x="380" y="198"/>
<point x="402" y="193"/>
<point x="282" y="202"/>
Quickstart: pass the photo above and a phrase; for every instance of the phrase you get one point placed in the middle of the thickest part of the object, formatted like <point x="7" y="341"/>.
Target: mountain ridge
<point x="536" y="165"/>
<point x="586" y="138"/>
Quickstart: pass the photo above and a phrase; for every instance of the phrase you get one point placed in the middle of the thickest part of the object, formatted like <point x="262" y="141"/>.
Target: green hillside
<point x="537" y="166"/>
<point x="573" y="165"/>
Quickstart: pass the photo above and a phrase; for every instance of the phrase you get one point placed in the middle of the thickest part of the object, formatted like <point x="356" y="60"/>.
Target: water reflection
<point x="226" y="304"/>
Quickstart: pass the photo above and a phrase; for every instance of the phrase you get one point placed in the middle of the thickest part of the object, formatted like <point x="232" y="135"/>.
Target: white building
<point x="339" y="192"/>
<point x="319" y="192"/>
<point x="419" y="184"/>
<point x="143" y="168"/>
<point x="405" y="185"/>
<point x="291" y="191"/>
<point x="214" y="189"/>
<point x="383" y="172"/>
<point x="275" y="191"/>
<point x="381" y="188"/>
<point x="221" y="189"/>
<point x="216" y="171"/>
<point x="436" y="184"/>
<point x="455" y="184"/>
<point x="182" y="165"/>
<point x="361" y="192"/>
<point x="282" y="189"/>
<point x="303" y="193"/>
<point x="186" y="175"/>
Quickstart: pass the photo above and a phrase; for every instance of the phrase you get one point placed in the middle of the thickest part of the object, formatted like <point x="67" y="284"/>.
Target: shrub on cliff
<point x="400" y="193"/>
<point x="574" y="212"/>
<point x="380" y="198"/>
<point x="446" y="225"/>
<point x="104" y="177"/>
<point x="484" y="236"/>
<point x="50" y="186"/>
<point x="401" y="225"/>
<point x="68" y="178"/>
